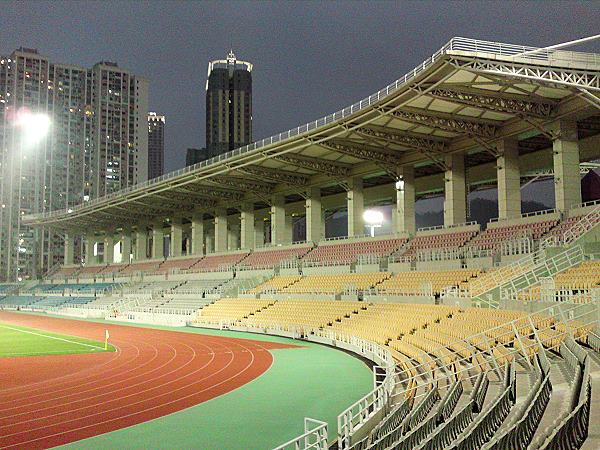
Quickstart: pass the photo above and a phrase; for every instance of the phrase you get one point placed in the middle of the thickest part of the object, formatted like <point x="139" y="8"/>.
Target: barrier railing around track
<point x="314" y="437"/>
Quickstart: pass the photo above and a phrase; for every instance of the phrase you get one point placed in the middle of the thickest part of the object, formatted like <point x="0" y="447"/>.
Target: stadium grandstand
<point x="479" y="336"/>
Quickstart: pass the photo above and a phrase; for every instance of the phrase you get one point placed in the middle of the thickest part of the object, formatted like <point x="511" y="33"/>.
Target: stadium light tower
<point x="373" y="219"/>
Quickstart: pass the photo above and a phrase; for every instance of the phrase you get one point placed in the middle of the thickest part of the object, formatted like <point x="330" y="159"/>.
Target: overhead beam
<point x="447" y="122"/>
<point x="361" y="151"/>
<point x="242" y="184"/>
<point x="431" y="148"/>
<point x="277" y="175"/>
<point x="482" y="99"/>
<point x="315" y="164"/>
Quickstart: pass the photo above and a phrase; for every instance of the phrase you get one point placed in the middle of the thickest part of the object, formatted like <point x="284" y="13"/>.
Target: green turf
<point x="23" y="341"/>
<point x="315" y="381"/>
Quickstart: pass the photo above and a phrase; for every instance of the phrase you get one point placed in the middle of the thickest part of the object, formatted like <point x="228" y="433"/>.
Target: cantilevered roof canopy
<point x="464" y="98"/>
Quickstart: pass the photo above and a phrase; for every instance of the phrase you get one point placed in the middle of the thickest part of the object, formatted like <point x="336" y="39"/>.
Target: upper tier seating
<point x="143" y="266"/>
<point x="493" y="237"/>
<point x="65" y="272"/>
<point x="231" y="309"/>
<point x="87" y="271"/>
<point x="181" y="264"/>
<point x="431" y="242"/>
<point x="275" y="284"/>
<point x="566" y="225"/>
<point x="417" y="283"/>
<point x="218" y="262"/>
<point x="312" y="313"/>
<point x="334" y="284"/>
<point x="266" y="259"/>
<point x="113" y="268"/>
<point x="349" y="252"/>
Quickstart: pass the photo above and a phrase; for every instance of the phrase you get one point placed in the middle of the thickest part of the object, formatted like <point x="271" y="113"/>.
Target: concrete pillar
<point x="247" y="228"/>
<point x="109" y="249"/>
<point x="315" y="230"/>
<point x="141" y="243"/>
<point x="404" y="212"/>
<point x="567" y="179"/>
<point x="69" y="247"/>
<point x="455" y="190"/>
<point x="158" y="241"/>
<point x="278" y="232"/>
<point x="197" y="233"/>
<point x="220" y="229"/>
<point x="509" y="179"/>
<point x="176" y="237"/>
<point x="125" y="245"/>
<point x="90" y="241"/>
<point x="355" y="199"/>
<point x="259" y="232"/>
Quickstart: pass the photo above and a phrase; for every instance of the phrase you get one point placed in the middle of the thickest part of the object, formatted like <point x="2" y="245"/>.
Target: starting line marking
<point x="52" y="337"/>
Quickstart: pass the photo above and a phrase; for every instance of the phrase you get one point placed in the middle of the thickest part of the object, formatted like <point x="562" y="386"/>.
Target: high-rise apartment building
<point x="156" y="145"/>
<point x="96" y="143"/>
<point x="228" y="105"/>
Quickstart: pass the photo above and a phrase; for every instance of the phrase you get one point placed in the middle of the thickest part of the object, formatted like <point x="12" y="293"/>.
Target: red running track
<point x="47" y="401"/>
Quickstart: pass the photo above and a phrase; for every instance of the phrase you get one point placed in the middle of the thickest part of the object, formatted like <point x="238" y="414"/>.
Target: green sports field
<point x="22" y="341"/>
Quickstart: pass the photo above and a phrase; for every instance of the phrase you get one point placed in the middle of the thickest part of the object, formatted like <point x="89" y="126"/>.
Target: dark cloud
<point x="310" y="58"/>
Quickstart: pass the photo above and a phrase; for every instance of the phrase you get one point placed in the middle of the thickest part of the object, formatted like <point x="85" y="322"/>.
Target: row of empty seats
<point x="266" y="259"/>
<point x="576" y="280"/>
<point x="312" y="313"/>
<point x="334" y="284"/>
<point x="441" y="241"/>
<point x="349" y="252"/>
<point x="231" y="309"/>
<point x="426" y="283"/>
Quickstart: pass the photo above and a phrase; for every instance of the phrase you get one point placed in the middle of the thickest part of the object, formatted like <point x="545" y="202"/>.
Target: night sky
<point x="310" y="58"/>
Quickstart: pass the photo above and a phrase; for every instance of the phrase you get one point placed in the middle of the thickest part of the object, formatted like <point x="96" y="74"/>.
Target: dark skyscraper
<point x="156" y="145"/>
<point x="228" y="105"/>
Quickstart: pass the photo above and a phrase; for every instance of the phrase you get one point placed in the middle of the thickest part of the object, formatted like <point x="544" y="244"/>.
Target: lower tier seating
<point x="313" y="313"/>
<point x="231" y="309"/>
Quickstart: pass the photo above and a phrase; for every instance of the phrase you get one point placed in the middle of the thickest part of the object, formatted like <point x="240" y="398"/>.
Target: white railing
<point x="558" y="295"/>
<point x="314" y="437"/>
<point x="546" y="268"/>
<point x="574" y="232"/>
<point x="447" y="227"/>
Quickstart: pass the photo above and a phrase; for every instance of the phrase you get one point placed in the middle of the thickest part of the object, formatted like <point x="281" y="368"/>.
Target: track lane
<point x="182" y="370"/>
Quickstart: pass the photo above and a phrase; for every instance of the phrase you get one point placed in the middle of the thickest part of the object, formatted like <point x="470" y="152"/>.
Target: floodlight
<point x="373" y="217"/>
